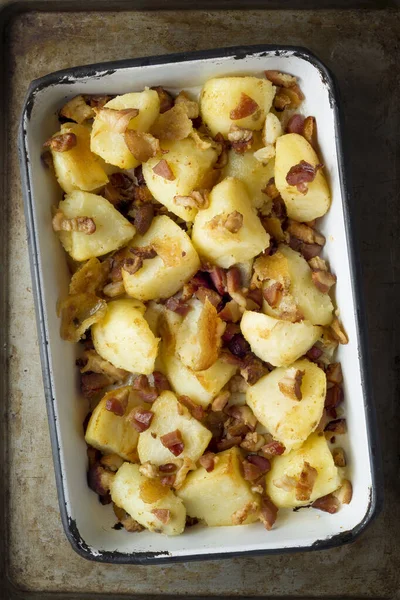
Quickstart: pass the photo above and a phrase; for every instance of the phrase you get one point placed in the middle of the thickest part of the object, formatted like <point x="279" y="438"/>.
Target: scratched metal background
<point x="362" y="48"/>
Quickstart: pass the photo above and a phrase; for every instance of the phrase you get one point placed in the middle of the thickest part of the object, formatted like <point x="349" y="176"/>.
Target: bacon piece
<point x="260" y="461"/>
<point x="280" y="79"/>
<point x="144" y="252"/>
<point x="176" y="305"/>
<point x="173" y="441"/>
<point x="268" y="512"/>
<point x="231" y="330"/>
<point x="143" y="218"/>
<point x="281" y="101"/>
<point x="323" y="280"/>
<point x="308" y="250"/>
<point x="301" y="174"/>
<point x="318" y="264"/>
<point x="208" y="461"/>
<point x="253" y="369"/>
<point x="314" y="353"/>
<point x="338" y="426"/>
<point x="238" y="345"/>
<point x="117" y="405"/>
<point x="271" y="190"/>
<point x="310" y="131"/>
<point x="142" y="145"/>
<point x="327" y="503"/>
<point x="234" y="289"/>
<point x="218" y="277"/>
<point x="255" y="296"/>
<point x="112" y="462"/>
<point x="272" y="293"/>
<point x="161" y="383"/>
<point x="99" y="479"/>
<point x="117" y="120"/>
<point x="162" y="514"/>
<point x="163" y="169"/>
<point x="334" y="396"/>
<point x="334" y="373"/>
<point x="339" y="457"/>
<point x="273" y="448"/>
<point x="251" y="472"/>
<point x="244" y="414"/>
<point x="290" y="385"/>
<point x="92" y="383"/>
<point x="220" y="401"/>
<point x="295" y="124"/>
<point x="240" y="515"/>
<point x="144" y="391"/>
<point x="253" y="441"/>
<point x="168" y="468"/>
<point x="166" y="99"/>
<point x="168" y="480"/>
<point x="305" y="484"/>
<point x="229" y="443"/>
<point x="236" y="429"/>
<point x="140" y="418"/>
<point x="204" y="294"/>
<point x="246" y="107"/>
<point x="196" y="410"/>
<point x="62" y="142"/>
<point x="306" y="234"/>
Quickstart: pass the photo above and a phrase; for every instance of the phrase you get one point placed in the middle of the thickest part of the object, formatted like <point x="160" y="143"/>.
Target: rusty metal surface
<point x="362" y="49"/>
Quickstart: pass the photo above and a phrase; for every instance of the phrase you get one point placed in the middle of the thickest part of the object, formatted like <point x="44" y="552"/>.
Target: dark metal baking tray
<point x="361" y="47"/>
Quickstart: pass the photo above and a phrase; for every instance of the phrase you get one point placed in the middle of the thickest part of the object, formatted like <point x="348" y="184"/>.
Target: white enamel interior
<point x="94" y="522"/>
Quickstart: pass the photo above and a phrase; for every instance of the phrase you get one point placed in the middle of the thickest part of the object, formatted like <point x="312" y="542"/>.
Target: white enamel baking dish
<point x="88" y="524"/>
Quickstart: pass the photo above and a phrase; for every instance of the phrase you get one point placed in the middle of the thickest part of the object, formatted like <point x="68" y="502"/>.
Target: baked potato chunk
<point x="224" y="100"/>
<point x="291" y="149"/>
<point x="229" y="231"/>
<point x="316" y="453"/>
<point x="221" y="497"/>
<point x="150" y="503"/>
<point x="169" y="416"/>
<point x="290" y="420"/>
<point x="175" y="263"/>
<point x="124" y="337"/>
<point x="199" y="336"/>
<point x="111" y="433"/>
<point x="112" y="229"/>
<point x="110" y="144"/>
<point x="78" y="168"/>
<point x="276" y="341"/>
<point x="287" y="265"/>
<point x="253" y="173"/>
<point x="189" y="164"/>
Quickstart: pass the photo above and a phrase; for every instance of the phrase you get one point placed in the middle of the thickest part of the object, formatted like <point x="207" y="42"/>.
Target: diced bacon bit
<point x="141" y="145"/>
<point x="337" y="427"/>
<point x="177" y="306"/>
<point x="304" y="233"/>
<point x="99" y="479"/>
<point x="323" y="280"/>
<point x="338" y="332"/>
<point x="272" y="293"/>
<point x="92" y="383"/>
<point x="144" y="390"/>
<point x="253" y="441"/>
<point x="161" y="383"/>
<point x="77" y="110"/>
<point x="218" y="277"/>
<point x="268" y="512"/>
<point x="162" y="514"/>
<point x="260" y="461"/>
<point x="310" y="131"/>
<point x="140" y="418"/>
<point x="168" y="480"/>
<point x="290" y="385"/>
<point x="334" y="373"/>
<point x="339" y="457"/>
<point x="173" y="442"/>
<point x="301" y="174"/>
<point x="328" y="504"/>
<point x="199" y="199"/>
<point x="328" y="414"/>
<point x="148" y="470"/>
<point x="318" y="264"/>
<point x="117" y="120"/>
<point x="238" y="345"/>
<point x="62" y="142"/>
<point x="231" y="312"/>
<point x="280" y="79"/>
<point x="231" y="330"/>
<point x="117" y="405"/>
<point x="166" y="99"/>
<point x="229" y="443"/>
<point x="241" y="139"/>
<point x="308" y="250"/>
<point x="334" y="396"/>
<point x="253" y="369"/>
<point x="112" y="462"/>
<point x="271" y="190"/>
<point x="229" y="358"/>
<point x="295" y="124"/>
<point x="240" y="516"/>
<point x="168" y="468"/>
<point x="204" y="294"/>
<point x="220" y="401"/>
<point x="190" y="106"/>
<point x="244" y="414"/>
<point x="314" y="353"/>
<point x="246" y="107"/>
<point x="256" y="296"/>
<point x="235" y="428"/>
<point x="163" y="169"/>
<point x="306" y="482"/>
<point x="207" y="461"/>
<point x="345" y="493"/>
<point x="93" y="454"/>
<point x="196" y="410"/>
<point x="114" y="289"/>
<point x="233" y="286"/>
<point x="273" y="448"/>
<point x="285" y="483"/>
<point x="82" y="224"/>
<point x="143" y="217"/>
